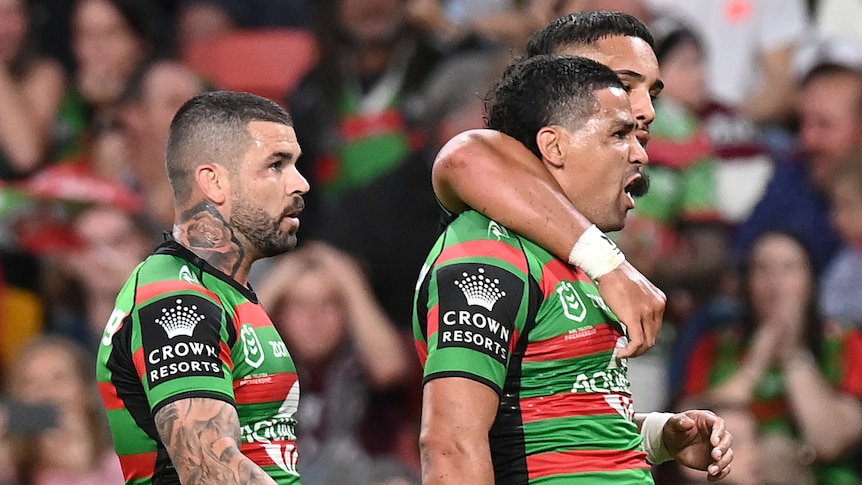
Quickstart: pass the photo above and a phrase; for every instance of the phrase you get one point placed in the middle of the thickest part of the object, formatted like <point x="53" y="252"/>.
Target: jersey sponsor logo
<point x="187" y="275"/>
<point x="251" y="346"/>
<point x="280" y="427"/>
<point x="497" y="231"/>
<point x="603" y="381"/>
<point x="181" y="319"/>
<point x="573" y="306"/>
<point x="480" y="290"/>
<point x="180" y="337"/>
<point x="478" y="308"/>
<point x="622" y="404"/>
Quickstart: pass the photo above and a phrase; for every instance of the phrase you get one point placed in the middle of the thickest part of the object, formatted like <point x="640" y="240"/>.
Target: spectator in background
<point x="830" y="117"/>
<point x="841" y="287"/>
<point x="751" y="45"/>
<point x="201" y="20"/>
<point x="77" y="452"/>
<point x="348" y="355"/>
<point x="393" y="243"/>
<point x="355" y="112"/>
<point x="110" y="243"/>
<point x="800" y="376"/>
<point x="146" y="111"/>
<point x="31" y="87"/>
<point x="111" y="40"/>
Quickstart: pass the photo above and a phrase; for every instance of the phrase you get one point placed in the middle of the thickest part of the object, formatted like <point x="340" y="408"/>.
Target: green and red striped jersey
<point x="493" y="307"/>
<point x="720" y="354"/>
<point x="183" y="329"/>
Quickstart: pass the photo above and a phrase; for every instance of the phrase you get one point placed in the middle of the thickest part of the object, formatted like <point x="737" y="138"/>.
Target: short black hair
<point x="213" y="127"/>
<point x="545" y="90"/>
<point x="584" y="29"/>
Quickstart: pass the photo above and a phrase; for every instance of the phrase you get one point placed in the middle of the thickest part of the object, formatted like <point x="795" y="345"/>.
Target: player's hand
<point x="699" y="439"/>
<point x="637" y="303"/>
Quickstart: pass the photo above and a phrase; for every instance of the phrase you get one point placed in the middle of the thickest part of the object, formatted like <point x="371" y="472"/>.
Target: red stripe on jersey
<point x="272" y="388"/>
<point x="154" y="290"/>
<point x="251" y="313"/>
<point x="138" y="360"/>
<point x="484" y="248"/>
<point x="433" y="321"/>
<point x="109" y="396"/>
<point x="555" y="271"/>
<point x="700" y="365"/>
<point x="422" y="350"/>
<point x="262" y="453"/>
<point x="584" y="461"/>
<point x="580" y="343"/>
<point x="141" y="465"/>
<point x="566" y="405"/>
<point x="851" y="381"/>
<point x="225" y="355"/>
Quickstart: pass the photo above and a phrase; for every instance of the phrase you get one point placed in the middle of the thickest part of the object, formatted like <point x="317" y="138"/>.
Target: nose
<point x="642" y="107"/>
<point x="637" y="153"/>
<point x="298" y="184"/>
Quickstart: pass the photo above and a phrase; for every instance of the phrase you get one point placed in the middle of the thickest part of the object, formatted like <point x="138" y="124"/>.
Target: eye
<point x="277" y="165"/>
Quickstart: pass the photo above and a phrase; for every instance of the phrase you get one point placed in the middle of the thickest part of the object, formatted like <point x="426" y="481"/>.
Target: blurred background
<point x="753" y="226"/>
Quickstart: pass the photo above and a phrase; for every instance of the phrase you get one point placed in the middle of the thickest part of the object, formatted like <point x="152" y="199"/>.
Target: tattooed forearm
<point x="202" y="437"/>
<point x="205" y="231"/>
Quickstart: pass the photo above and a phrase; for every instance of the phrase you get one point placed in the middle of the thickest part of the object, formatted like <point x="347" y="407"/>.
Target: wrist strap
<point x="596" y="254"/>
<point x="652" y="431"/>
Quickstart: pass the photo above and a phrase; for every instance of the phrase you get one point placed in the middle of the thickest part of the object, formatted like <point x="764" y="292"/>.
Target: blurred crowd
<point x="753" y="224"/>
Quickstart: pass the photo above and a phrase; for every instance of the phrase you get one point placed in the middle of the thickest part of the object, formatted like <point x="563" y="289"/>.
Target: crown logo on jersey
<point x="180" y="320"/>
<point x="480" y="290"/>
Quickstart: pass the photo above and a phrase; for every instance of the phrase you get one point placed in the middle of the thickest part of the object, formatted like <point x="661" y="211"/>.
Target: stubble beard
<point x="262" y="231"/>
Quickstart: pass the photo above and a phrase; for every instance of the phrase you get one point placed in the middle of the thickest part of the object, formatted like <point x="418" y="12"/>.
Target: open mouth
<point x="638" y="186"/>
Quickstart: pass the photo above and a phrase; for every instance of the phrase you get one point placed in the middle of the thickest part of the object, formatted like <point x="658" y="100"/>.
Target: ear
<point x="551" y="141"/>
<point x="213" y="181"/>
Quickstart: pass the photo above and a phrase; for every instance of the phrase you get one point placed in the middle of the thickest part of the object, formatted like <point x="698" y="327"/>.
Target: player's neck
<point x="203" y="230"/>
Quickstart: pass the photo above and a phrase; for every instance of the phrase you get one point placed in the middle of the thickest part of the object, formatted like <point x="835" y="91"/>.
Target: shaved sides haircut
<point x="213" y="128"/>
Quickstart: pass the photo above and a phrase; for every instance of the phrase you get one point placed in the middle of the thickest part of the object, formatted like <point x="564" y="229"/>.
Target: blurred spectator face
<point x="167" y="86"/>
<point x="847" y="208"/>
<point x="780" y="275"/>
<point x="13" y="29"/>
<point x="111" y="248"/>
<point x="107" y="49"/>
<point x="311" y="318"/>
<point x="49" y="374"/>
<point x="372" y="21"/>
<point x="684" y="74"/>
<point x="830" y="121"/>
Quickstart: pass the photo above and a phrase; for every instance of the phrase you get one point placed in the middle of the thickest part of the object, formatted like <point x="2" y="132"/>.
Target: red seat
<point x="266" y="62"/>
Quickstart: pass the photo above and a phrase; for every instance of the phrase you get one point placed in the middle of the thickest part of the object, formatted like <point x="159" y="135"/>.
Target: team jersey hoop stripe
<point x="485" y="248"/>
<point x="271" y="388"/>
<point x="851" y="381"/>
<point x="566" y="405"/>
<point x="584" y="461"/>
<point x="109" y="395"/>
<point x="141" y="465"/>
<point x="257" y="452"/>
<point x="572" y="345"/>
<point x="556" y="271"/>
<point x="162" y="288"/>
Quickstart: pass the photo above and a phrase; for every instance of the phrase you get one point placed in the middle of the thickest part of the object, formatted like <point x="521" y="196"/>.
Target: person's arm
<point x="830" y="421"/>
<point x="380" y="349"/>
<point x="29" y="109"/>
<point x="776" y="99"/>
<point x="202" y="437"/>
<point x="496" y="175"/>
<point x="696" y="439"/>
<point x="457" y="414"/>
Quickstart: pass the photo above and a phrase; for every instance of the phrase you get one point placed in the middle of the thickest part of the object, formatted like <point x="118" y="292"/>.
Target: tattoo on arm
<point x="202" y="437"/>
<point x="203" y="229"/>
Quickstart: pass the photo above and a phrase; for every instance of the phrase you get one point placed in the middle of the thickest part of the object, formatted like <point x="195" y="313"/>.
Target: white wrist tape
<point x="652" y="431"/>
<point x="596" y="254"/>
